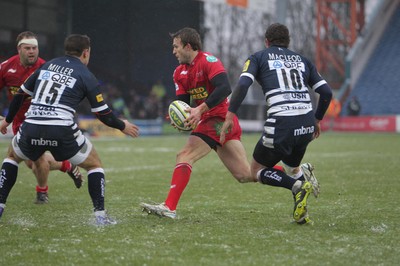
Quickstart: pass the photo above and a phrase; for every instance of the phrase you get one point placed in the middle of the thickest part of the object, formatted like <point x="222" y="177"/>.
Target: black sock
<point x="8" y="176"/>
<point x="277" y="178"/>
<point x="96" y="186"/>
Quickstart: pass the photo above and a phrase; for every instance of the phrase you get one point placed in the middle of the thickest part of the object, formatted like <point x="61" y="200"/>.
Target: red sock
<point x="42" y="189"/>
<point x="280" y="168"/>
<point x="180" y="178"/>
<point x="65" y="166"/>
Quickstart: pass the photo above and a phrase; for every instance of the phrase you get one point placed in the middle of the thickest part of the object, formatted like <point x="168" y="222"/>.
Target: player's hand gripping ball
<point x="177" y="114"/>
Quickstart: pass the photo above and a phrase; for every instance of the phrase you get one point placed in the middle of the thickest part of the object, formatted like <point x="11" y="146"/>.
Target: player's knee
<point x="184" y="156"/>
<point x="291" y="171"/>
<point x="89" y="165"/>
<point x="179" y="155"/>
<point x="244" y="178"/>
<point x="13" y="157"/>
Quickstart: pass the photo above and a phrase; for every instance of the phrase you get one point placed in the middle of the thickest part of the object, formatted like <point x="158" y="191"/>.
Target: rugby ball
<point x="177" y="114"/>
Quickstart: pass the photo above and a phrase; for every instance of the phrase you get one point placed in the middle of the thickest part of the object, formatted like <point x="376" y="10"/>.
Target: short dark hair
<point x="75" y="44"/>
<point x="188" y="36"/>
<point x="25" y="35"/>
<point x="278" y="34"/>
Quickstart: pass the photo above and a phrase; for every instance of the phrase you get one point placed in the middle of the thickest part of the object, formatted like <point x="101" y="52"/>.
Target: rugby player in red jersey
<point x="13" y="72"/>
<point x="202" y="78"/>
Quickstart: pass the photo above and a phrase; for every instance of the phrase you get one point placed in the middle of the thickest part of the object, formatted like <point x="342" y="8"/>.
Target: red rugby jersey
<point x="195" y="79"/>
<point x="12" y="76"/>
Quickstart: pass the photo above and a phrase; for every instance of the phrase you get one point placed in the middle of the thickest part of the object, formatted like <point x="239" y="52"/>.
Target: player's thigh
<point x="266" y="156"/>
<point x="28" y="163"/>
<point x="194" y="149"/>
<point x="294" y="159"/>
<point x="234" y="157"/>
<point x="83" y="153"/>
<point x="22" y="149"/>
<point x="41" y="163"/>
<point x="92" y="161"/>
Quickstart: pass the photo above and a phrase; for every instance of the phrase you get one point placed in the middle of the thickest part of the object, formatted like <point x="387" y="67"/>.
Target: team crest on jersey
<point x="99" y="98"/>
<point x="211" y="59"/>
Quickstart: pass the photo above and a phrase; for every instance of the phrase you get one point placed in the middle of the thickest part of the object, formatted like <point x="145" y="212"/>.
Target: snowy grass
<point x="221" y="222"/>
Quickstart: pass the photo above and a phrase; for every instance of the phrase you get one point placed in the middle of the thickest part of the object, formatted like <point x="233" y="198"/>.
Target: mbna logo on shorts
<point x="44" y="142"/>
<point x="303" y="131"/>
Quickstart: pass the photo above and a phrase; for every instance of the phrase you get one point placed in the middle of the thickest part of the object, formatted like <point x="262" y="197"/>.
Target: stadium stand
<point x="377" y="88"/>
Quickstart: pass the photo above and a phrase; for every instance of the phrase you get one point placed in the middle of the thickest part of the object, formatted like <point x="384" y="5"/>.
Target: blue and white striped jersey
<point x="57" y="88"/>
<point x="285" y="77"/>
